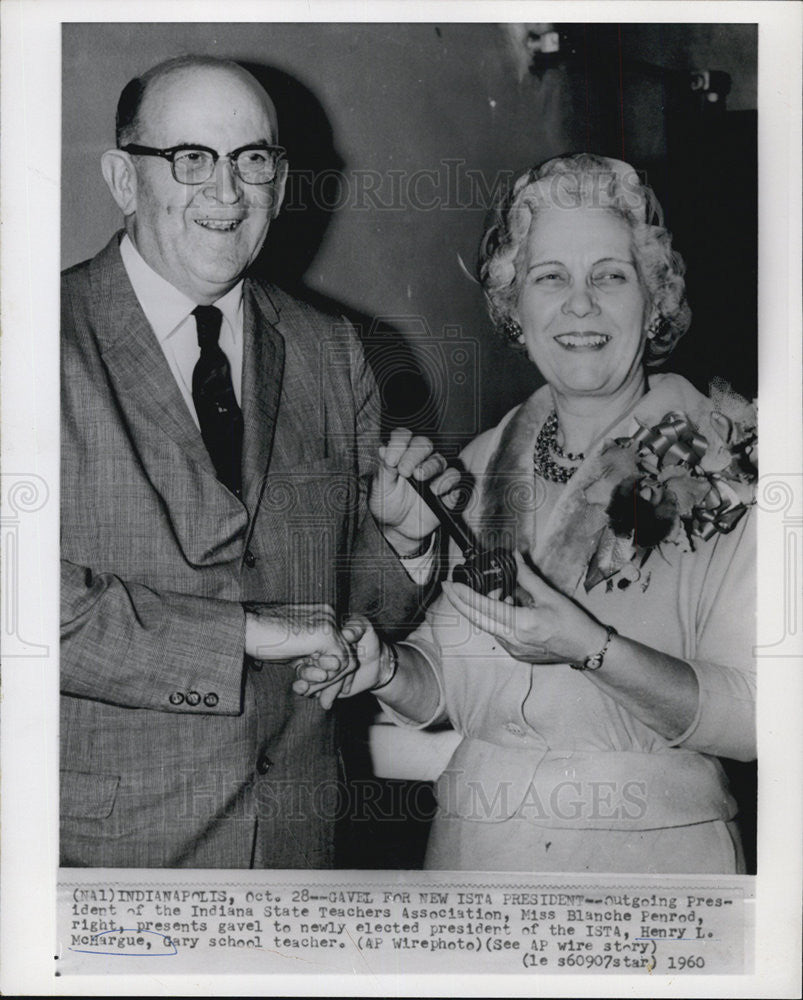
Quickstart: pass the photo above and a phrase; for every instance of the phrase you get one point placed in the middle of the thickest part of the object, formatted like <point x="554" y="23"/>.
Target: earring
<point x="654" y="327"/>
<point x="510" y="330"/>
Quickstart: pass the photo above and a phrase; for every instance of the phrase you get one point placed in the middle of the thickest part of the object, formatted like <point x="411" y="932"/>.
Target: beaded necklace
<point x="546" y="445"/>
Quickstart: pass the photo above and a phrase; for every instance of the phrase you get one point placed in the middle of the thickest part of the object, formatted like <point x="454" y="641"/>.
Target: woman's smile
<point x="590" y="341"/>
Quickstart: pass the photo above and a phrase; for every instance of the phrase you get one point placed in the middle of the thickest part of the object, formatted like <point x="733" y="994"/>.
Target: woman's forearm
<point x="413" y="691"/>
<point x="658" y="689"/>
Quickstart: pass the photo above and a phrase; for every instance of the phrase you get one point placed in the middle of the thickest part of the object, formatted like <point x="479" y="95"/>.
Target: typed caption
<point x="338" y="922"/>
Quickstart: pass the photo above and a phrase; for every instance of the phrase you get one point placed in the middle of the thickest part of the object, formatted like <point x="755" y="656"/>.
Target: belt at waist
<point x="605" y="790"/>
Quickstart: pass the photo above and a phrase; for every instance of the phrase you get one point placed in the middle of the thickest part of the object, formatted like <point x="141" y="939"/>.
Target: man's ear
<point x="278" y="187"/>
<point x="121" y="177"/>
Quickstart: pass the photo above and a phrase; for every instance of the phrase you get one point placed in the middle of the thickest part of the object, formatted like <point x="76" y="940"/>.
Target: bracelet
<point x="387" y="672"/>
<point x="594" y="661"/>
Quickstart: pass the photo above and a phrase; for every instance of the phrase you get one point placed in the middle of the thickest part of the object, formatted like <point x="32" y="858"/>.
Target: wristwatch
<point x="594" y="661"/>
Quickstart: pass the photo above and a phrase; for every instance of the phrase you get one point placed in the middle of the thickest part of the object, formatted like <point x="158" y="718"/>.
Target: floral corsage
<point x="675" y="483"/>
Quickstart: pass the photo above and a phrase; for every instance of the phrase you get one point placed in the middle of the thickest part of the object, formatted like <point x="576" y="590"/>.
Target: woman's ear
<point x="121" y="178"/>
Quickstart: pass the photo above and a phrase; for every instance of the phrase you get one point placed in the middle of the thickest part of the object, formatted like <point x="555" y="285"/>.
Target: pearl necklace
<point x="546" y="445"/>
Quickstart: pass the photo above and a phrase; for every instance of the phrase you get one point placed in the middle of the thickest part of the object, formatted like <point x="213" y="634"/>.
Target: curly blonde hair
<point x="584" y="180"/>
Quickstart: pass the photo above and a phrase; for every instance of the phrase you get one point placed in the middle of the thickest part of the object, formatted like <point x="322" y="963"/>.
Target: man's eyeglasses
<point x="256" y="164"/>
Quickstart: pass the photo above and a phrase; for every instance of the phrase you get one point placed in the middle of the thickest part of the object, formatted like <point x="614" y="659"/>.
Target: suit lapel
<point x="263" y="369"/>
<point x="140" y="370"/>
<point x="135" y="360"/>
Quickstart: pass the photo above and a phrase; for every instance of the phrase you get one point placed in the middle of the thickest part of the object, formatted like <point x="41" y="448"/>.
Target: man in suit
<point x="218" y="442"/>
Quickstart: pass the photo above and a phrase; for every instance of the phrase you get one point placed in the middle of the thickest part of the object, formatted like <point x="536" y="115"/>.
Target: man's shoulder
<point x="78" y="275"/>
<point x="82" y="274"/>
<point x="285" y="309"/>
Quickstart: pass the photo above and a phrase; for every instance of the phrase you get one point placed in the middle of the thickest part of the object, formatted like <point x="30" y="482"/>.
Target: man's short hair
<point x="127" y="121"/>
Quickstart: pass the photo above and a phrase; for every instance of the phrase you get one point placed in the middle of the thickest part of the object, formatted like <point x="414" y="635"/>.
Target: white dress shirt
<point x="169" y="313"/>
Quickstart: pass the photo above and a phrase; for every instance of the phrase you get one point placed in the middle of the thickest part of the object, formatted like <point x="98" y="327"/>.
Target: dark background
<point x="411" y="110"/>
<point x="453" y="98"/>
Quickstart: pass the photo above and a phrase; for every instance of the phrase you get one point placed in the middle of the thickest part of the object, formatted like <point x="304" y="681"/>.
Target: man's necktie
<point x="215" y="403"/>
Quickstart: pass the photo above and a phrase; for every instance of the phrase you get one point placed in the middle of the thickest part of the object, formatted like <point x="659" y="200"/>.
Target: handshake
<point x="329" y="662"/>
<point x="332" y="661"/>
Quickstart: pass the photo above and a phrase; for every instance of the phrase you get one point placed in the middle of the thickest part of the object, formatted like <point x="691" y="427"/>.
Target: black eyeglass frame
<point x="171" y="152"/>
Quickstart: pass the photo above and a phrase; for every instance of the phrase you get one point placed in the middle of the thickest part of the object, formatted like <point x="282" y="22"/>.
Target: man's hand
<point x="290" y="631"/>
<point x="404" y="518"/>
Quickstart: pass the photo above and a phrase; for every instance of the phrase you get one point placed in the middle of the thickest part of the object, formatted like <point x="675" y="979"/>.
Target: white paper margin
<point x="30" y="117"/>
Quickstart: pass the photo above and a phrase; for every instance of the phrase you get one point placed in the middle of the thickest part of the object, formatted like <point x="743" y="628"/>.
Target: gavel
<point x="484" y="570"/>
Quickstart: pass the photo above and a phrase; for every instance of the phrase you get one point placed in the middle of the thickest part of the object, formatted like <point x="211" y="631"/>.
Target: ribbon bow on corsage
<point x="672" y="484"/>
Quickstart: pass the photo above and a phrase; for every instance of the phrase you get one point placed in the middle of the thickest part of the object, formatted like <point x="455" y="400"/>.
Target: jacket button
<point x="249" y="559"/>
<point x="264" y="764"/>
<point x="211" y="699"/>
<point x="193" y="698"/>
<point x="176" y="698"/>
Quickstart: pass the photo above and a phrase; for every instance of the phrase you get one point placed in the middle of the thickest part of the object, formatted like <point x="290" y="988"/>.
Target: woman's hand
<point x="659" y="689"/>
<point x="552" y="629"/>
<point x="404" y="682"/>
<point x="405" y="519"/>
<point x="322" y="677"/>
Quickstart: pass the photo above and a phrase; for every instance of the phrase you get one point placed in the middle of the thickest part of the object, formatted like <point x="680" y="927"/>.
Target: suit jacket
<point x="176" y="750"/>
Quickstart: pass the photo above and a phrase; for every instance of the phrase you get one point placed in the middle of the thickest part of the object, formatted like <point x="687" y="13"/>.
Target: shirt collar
<point x="165" y="307"/>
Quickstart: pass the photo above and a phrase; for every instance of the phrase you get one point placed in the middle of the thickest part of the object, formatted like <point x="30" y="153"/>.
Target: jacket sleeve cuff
<point x="724" y="724"/>
<point x="429" y="654"/>
<point x="214" y="657"/>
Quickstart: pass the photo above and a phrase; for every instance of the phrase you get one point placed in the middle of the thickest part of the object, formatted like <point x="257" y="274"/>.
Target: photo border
<point x="30" y="176"/>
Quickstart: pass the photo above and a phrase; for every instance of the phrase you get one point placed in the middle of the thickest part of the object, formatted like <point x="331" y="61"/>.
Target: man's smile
<point x="219" y="225"/>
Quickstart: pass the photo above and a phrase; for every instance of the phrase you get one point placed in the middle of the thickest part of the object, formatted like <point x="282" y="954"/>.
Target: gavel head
<point x="487" y="570"/>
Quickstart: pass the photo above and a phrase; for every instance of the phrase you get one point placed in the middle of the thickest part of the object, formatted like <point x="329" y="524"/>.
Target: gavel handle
<point x="459" y="531"/>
